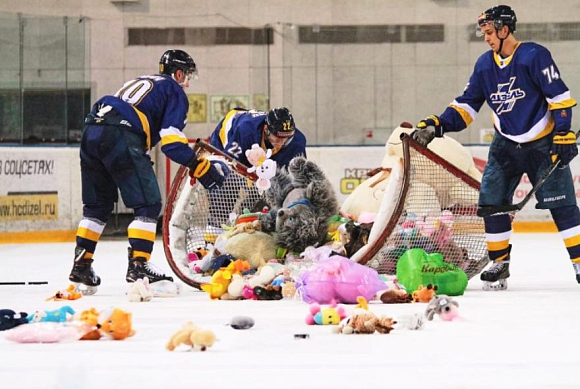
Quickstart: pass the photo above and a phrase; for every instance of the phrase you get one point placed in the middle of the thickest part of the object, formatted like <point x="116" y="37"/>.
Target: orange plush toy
<point x="424" y="294"/>
<point x="113" y="323"/>
<point x="69" y="293"/>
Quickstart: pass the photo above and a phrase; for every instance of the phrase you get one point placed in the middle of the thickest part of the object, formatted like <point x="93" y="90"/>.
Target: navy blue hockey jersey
<point x="240" y="129"/>
<point x="523" y="91"/>
<point x="156" y="108"/>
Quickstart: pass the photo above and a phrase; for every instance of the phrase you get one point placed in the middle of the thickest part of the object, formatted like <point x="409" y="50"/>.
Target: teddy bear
<point x="264" y="167"/>
<point x="193" y="336"/>
<point x="10" y="319"/>
<point x="369" y="194"/>
<point x="301" y="200"/>
<point x="424" y="294"/>
<point x="365" y="323"/>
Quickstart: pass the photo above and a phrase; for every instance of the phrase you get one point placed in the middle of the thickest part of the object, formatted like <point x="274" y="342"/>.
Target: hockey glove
<point x="211" y="174"/>
<point x="427" y="129"/>
<point x="564" y="147"/>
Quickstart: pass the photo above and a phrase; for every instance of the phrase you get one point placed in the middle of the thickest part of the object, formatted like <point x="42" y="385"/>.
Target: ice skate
<point x="139" y="268"/>
<point x="495" y="278"/>
<point x="82" y="274"/>
<point x="577" y="270"/>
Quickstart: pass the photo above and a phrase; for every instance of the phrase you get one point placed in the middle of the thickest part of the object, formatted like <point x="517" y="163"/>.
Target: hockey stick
<point x="490" y="210"/>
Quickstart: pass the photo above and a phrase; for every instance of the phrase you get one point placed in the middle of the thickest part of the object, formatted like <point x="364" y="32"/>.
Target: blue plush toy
<point x="57" y="316"/>
<point x="10" y="319"/>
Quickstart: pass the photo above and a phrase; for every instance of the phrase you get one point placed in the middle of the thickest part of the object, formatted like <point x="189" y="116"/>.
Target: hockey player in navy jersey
<point x="119" y="132"/>
<point x="532" y="113"/>
<point x="275" y="130"/>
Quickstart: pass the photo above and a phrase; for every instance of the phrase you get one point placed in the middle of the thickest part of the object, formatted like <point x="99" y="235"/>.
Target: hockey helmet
<point x="280" y="122"/>
<point x="172" y="60"/>
<point x="499" y="15"/>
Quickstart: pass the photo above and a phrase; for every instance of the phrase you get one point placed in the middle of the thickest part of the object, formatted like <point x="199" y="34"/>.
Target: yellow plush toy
<point x="193" y="336"/>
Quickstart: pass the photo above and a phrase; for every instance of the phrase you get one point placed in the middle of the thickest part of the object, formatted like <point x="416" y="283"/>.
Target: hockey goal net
<point x="428" y="204"/>
<point x="194" y="217"/>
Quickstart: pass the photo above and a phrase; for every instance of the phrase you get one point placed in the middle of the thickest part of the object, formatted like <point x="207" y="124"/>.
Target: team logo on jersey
<point x="506" y="97"/>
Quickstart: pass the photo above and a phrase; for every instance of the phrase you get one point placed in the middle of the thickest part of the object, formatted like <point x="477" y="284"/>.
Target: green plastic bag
<point x="416" y="267"/>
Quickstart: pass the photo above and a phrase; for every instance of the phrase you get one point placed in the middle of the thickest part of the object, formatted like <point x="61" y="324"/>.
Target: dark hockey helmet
<point x="280" y="122"/>
<point x="500" y="15"/>
<point x="172" y="60"/>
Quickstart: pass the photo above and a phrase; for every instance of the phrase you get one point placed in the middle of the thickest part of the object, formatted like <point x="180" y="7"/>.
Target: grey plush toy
<point x="301" y="200"/>
<point x="444" y="306"/>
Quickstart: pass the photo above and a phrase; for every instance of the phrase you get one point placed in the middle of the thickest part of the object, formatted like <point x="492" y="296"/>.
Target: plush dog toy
<point x="444" y="306"/>
<point x="10" y="319"/>
<point x="192" y="336"/>
<point x="365" y="323"/>
<point x="301" y="200"/>
<point x="140" y="291"/>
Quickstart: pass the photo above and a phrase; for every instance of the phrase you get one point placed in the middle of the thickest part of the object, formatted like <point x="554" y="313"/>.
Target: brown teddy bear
<point x="192" y="335"/>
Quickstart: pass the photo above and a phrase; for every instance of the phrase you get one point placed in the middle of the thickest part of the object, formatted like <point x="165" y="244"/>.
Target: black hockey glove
<point x="564" y="147"/>
<point x="427" y="129"/>
<point x="211" y="174"/>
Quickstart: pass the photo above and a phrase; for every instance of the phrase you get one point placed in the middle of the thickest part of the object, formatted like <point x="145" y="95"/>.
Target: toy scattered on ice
<point x="192" y="336"/>
<point x="331" y="315"/>
<point x="413" y="322"/>
<point x="70" y="293"/>
<point x="241" y="322"/>
<point x="363" y="321"/>
<point x="424" y="294"/>
<point x="10" y="319"/>
<point x="46" y="332"/>
<point x="338" y="279"/>
<point x="63" y="314"/>
<point x="445" y="307"/>
<point x="416" y="267"/>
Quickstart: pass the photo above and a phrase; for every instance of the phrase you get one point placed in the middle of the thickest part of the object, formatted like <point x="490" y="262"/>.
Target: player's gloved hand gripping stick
<point x="564" y="149"/>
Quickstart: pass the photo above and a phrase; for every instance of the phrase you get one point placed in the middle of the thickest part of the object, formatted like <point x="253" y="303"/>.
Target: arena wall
<point x="40" y="195"/>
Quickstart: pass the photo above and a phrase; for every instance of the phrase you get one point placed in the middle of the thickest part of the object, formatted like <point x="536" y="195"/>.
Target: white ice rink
<point x="526" y="337"/>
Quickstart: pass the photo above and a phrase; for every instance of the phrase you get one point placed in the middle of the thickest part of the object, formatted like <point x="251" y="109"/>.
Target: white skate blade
<point x="496" y="285"/>
<point x="86" y="290"/>
<point x="165" y="288"/>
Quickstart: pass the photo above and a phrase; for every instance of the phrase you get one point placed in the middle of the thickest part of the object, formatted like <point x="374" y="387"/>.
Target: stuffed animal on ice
<point x="112" y="323"/>
<point x="193" y="336"/>
<point x="369" y="194"/>
<point x="301" y="200"/>
<point x="331" y="315"/>
<point x="63" y="314"/>
<point x="264" y="167"/>
<point x="365" y="323"/>
<point x="10" y="319"/>
<point x="444" y="306"/>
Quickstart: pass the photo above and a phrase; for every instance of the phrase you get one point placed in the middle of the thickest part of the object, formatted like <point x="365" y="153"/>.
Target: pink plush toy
<point x="46" y="332"/>
<point x="331" y="315"/>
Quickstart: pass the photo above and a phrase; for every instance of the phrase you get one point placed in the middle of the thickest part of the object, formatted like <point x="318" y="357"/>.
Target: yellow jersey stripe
<point x="569" y="103"/>
<point x="576" y="260"/>
<point x="506" y="61"/>
<point x="546" y="131"/>
<point x="226" y="125"/>
<point x="464" y="114"/>
<point x="172" y="139"/>
<point x="145" y="125"/>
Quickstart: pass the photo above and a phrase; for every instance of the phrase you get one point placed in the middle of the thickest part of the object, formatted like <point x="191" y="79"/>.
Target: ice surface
<point x="525" y="337"/>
